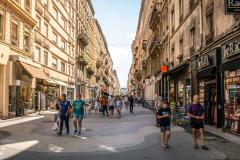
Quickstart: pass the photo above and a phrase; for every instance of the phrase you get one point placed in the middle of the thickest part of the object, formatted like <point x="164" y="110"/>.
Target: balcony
<point x="39" y="8"/>
<point x="99" y="63"/>
<point x="155" y="15"/>
<point x="70" y="60"/>
<point x="46" y="15"/>
<point x="155" y="44"/>
<point x="144" y="64"/>
<point x="83" y="37"/>
<point x="46" y="43"/>
<point x="90" y="71"/>
<point x="82" y="60"/>
<point x="39" y="38"/>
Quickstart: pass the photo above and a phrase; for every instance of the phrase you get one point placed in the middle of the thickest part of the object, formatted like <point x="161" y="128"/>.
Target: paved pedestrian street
<point x="132" y="137"/>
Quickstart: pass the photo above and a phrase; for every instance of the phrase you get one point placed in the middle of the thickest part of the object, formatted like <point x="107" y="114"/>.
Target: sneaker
<point x="204" y="147"/>
<point x="59" y="133"/>
<point x="195" y="146"/>
<point x="75" y="132"/>
<point x="79" y="133"/>
<point x="167" y="146"/>
<point x="67" y="132"/>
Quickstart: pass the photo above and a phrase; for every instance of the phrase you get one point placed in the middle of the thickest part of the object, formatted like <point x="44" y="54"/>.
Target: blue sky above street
<point x="118" y="20"/>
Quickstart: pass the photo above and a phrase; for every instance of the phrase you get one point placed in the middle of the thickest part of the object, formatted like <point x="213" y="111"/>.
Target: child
<point x="164" y="115"/>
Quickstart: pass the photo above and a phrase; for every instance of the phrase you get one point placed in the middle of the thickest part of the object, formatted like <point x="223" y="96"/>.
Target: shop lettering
<point x="231" y="49"/>
<point x="204" y="61"/>
<point x="233" y="3"/>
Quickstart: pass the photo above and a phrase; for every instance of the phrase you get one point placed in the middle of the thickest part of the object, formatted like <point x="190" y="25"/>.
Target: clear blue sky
<point x="118" y="19"/>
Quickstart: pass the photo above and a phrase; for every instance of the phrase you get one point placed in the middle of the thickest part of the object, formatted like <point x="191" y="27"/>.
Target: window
<point x="28" y="6"/>
<point x="1" y="25"/>
<point x="14" y="32"/>
<point x="69" y="29"/>
<point x="173" y="20"/>
<point x="45" y="58"/>
<point x="180" y="58"/>
<point x="26" y="42"/>
<point x="180" y="10"/>
<point x="69" y="70"/>
<point x="69" y="50"/>
<point x="63" y="44"/>
<point x="55" y="12"/>
<point x="55" y="37"/>
<point x="38" y="23"/>
<point x="64" y="24"/>
<point x="72" y="72"/>
<point x="63" y="67"/>
<point x="54" y="63"/>
<point x="192" y="32"/>
<point x="37" y="55"/>
<point x="209" y="19"/>
<point x="45" y="30"/>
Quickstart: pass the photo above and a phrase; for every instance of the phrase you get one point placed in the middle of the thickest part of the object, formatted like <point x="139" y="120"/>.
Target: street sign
<point x="232" y="6"/>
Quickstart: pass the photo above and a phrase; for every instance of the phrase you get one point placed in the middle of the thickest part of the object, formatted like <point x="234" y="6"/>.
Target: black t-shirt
<point x="162" y="112"/>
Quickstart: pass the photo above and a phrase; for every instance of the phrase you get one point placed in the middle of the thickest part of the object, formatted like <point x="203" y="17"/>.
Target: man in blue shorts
<point x="79" y="112"/>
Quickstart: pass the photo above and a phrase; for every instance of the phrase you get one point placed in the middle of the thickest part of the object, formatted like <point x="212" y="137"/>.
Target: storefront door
<point x="210" y="106"/>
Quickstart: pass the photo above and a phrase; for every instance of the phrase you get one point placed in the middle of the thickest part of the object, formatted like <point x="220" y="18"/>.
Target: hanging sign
<point x="232" y="6"/>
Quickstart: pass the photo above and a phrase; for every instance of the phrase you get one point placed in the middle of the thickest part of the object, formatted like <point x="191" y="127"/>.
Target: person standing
<point x="79" y="112"/>
<point x="131" y="101"/>
<point x="111" y="105"/>
<point x="104" y="105"/>
<point x="119" y="104"/>
<point x="196" y="114"/>
<point x="164" y="114"/>
<point x="64" y="114"/>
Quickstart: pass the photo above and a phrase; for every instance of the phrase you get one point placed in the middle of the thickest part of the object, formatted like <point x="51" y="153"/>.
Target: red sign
<point x="164" y="69"/>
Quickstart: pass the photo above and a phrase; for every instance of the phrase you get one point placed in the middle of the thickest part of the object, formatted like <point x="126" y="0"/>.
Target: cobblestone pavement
<point x="131" y="137"/>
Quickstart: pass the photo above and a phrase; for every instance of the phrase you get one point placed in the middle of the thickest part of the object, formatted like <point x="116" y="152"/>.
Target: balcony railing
<point x="39" y="38"/>
<point x="46" y="43"/>
<point x="144" y="44"/>
<point x="83" y="37"/>
<point x="156" y="41"/>
<point x="155" y="14"/>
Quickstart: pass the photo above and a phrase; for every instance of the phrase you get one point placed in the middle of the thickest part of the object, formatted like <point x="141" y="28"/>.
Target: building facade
<point x="196" y="53"/>
<point x="50" y="48"/>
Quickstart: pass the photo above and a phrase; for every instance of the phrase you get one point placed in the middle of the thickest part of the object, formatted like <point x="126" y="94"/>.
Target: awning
<point x="61" y="83"/>
<point x="206" y="73"/>
<point x="34" y="71"/>
<point x="176" y="70"/>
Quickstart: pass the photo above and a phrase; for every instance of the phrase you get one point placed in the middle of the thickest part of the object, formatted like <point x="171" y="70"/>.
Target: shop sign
<point x="231" y="49"/>
<point x="164" y="69"/>
<point x="232" y="6"/>
<point x="204" y="61"/>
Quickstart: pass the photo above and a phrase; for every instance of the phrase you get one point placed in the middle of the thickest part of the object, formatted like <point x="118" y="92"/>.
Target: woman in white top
<point x="97" y="105"/>
<point x="119" y="104"/>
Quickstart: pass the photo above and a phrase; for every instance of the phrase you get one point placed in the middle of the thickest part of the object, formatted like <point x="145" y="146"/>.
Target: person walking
<point x="64" y="114"/>
<point x="164" y="114"/>
<point x="104" y="105"/>
<point x="119" y="105"/>
<point x="196" y="114"/>
<point x="97" y="105"/>
<point x="126" y="102"/>
<point x="131" y="102"/>
<point x="111" y="106"/>
<point x="79" y="112"/>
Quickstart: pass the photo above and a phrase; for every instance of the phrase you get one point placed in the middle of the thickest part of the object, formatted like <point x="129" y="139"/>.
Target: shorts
<point x="111" y="107"/>
<point x="76" y="116"/>
<point x="197" y="125"/>
<point x="164" y="128"/>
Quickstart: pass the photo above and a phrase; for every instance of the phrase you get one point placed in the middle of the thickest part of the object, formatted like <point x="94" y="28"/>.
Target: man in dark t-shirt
<point x="164" y="115"/>
<point x="196" y="114"/>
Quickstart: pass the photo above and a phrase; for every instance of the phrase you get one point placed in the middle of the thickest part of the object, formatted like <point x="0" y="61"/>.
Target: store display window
<point x="232" y="100"/>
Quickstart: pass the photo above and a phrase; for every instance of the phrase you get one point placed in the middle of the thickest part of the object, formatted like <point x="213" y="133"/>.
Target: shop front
<point x="207" y="85"/>
<point x="231" y="85"/>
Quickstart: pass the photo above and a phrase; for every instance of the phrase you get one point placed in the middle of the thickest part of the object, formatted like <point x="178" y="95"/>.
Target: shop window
<point x="63" y="67"/>
<point x="180" y="93"/>
<point x="28" y="6"/>
<point x="26" y="41"/>
<point x="14" y="32"/>
<point x="54" y="63"/>
<point x="1" y="25"/>
<point x="232" y="100"/>
<point x="45" y="58"/>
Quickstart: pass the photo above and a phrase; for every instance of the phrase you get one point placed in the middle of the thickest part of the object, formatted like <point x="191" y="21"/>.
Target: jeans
<point x="105" y="109"/>
<point x="131" y="107"/>
<point x="62" y="119"/>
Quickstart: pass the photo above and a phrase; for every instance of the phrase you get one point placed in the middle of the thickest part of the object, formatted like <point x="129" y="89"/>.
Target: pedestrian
<point x="111" y="106"/>
<point x="119" y="104"/>
<point x="131" y="101"/>
<point x="126" y="103"/>
<point x="104" y="105"/>
<point x="164" y="114"/>
<point x="97" y="105"/>
<point x="79" y="112"/>
<point x="196" y="114"/>
<point x="64" y="114"/>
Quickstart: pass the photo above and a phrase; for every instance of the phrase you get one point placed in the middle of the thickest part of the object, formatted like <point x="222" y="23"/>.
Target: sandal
<point x="204" y="147"/>
<point x="195" y="146"/>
